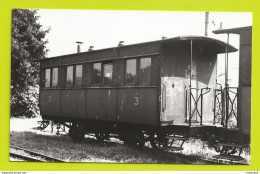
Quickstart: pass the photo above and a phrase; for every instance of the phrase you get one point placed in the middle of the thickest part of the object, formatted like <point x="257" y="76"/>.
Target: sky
<point x="104" y="29"/>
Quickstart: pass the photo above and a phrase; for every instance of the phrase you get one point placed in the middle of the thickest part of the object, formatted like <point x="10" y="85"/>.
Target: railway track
<point x="193" y="157"/>
<point x="209" y="160"/>
<point x="27" y="155"/>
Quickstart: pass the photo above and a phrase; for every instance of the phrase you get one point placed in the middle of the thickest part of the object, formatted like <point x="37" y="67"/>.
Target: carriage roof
<point x="232" y="30"/>
<point x="209" y="43"/>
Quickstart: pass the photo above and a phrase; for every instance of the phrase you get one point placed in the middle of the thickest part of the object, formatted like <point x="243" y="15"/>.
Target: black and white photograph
<point x="114" y="86"/>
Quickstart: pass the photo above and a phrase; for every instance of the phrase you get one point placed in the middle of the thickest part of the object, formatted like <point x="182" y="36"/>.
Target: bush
<point x="25" y="103"/>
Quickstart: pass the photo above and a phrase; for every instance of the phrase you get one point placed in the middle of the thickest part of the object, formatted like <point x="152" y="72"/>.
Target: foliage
<point x="28" y="44"/>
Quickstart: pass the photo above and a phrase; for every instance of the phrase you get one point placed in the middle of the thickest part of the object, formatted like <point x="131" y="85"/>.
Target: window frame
<point x="92" y="74"/>
<point x="103" y="71"/>
<point x="66" y="75"/>
<point x="51" y="84"/>
<point x="50" y="74"/>
<point x="51" y="77"/>
<point x="136" y="72"/>
<point x="74" y="76"/>
<point x="139" y="70"/>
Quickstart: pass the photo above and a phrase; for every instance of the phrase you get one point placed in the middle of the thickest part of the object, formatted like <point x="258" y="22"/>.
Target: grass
<point x="91" y="150"/>
<point x="24" y="134"/>
<point x="199" y="148"/>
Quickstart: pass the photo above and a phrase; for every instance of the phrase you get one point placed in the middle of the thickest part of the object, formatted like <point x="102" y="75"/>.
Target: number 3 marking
<point x="136" y="101"/>
<point x="49" y="99"/>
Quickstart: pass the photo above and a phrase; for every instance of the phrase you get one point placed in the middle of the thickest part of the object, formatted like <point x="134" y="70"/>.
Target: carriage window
<point x="69" y="76"/>
<point x="130" y="76"/>
<point x="54" y="82"/>
<point x="107" y="76"/>
<point x="96" y="74"/>
<point x="145" y="71"/>
<point x="78" y="76"/>
<point x="47" y="77"/>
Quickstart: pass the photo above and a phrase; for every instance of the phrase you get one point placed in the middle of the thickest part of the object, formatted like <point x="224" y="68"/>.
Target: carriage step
<point x="232" y="145"/>
<point x="177" y="138"/>
<point x="173" y="148"/>
<point x="229" y="157"/>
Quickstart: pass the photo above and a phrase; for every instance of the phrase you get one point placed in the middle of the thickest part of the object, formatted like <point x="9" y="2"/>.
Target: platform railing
<point x="231" y="115"/>
<point x="218" y="106"/>
<point x="194" y="103"/>
<point x="225" y="107"/>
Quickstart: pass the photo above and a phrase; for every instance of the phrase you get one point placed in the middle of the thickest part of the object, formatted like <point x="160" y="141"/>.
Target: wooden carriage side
<point x="128" y="97"/>
<point x="95" y="85"/>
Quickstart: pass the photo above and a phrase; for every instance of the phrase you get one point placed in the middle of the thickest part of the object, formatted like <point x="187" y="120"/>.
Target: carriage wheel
<point x="101" y="136"/>
<point x="140" y="141"/>
<point x="157" y="142"/>
<point x="137" y="141"/>
<point x="75" y="133"/>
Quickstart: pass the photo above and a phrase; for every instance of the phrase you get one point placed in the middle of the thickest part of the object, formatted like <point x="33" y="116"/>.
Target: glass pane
<point x="96" y="74"/>
<point x="130" y="77"/>
<point x="108" y="71"/>
<point x="145" y="71"/>
<point x="54" y="77"/>
<point x="69" y="77"/>
<point x="78" y="77"/>
<point x="47" y="77"/>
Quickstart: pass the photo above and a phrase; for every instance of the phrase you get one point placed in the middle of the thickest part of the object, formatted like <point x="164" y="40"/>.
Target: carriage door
<point x="172" y="100"/>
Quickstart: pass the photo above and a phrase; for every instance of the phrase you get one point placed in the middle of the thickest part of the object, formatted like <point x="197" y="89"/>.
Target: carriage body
<point x="160" y="85"/>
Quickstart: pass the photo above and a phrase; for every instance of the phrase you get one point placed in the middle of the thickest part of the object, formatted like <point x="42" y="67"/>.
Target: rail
<point x="32" y="156"/>
<point x="25" y="158"/>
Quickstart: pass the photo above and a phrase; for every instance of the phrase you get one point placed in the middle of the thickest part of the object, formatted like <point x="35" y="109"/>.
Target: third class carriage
<point x="141" y="92"/>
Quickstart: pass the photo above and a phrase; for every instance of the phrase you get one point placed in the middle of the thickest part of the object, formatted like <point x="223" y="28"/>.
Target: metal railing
<point x="194" y="104"/>
<point x="218" y="106"/>
<point x="231" y="104"/>
<point x="225" y="107"/>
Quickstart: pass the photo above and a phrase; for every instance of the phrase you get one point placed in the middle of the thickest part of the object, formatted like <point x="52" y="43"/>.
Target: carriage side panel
<point x="87" y="74"/>
<point x="101" y="104"/>
<point x="50" y="102"/>
<point x="61" y="77"/>
<point x="138" y="105"/>
<point x="140" y="49"/>
<point x="73" y="103"/>
<point x="155" y="79"/>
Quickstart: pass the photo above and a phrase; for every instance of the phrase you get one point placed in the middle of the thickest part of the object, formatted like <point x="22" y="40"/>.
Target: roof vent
<point x="91" y="48"/>
<point x="164" y="37"/>
<point x="121" y="43"/>
<point x="78" y="47"/>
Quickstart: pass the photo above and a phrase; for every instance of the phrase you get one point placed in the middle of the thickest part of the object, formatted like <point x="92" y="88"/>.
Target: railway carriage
<point x="141" y="92"/>
<point x="243" y="114"/>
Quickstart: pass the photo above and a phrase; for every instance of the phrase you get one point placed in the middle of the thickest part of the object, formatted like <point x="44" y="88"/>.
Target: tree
<point x="28" y="44"/>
